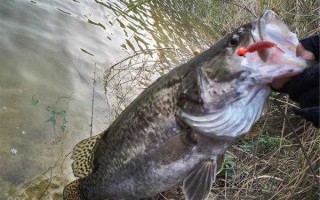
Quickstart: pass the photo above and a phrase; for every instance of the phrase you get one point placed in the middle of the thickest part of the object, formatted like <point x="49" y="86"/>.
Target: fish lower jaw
<point x="280" y="74"/>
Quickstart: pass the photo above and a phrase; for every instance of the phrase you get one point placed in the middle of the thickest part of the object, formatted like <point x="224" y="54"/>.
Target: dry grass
<point x="131" y="75"/>
<point x="268" y="163"/>
<point x="302" y="16"/>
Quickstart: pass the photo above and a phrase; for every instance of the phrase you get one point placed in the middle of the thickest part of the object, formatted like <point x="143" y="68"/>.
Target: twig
<point x="244" y="7"/>
<point x="298" y="140"/>
<point x="64" y="160"/>
<point x="92" y="100"/>
<point x="138" y="53"/>
<point x="163" y="196"/>
<point x="254" y="155"/>
<point x="108" y="72"/>
<point x="128" y="9"/>
<point x="44" y="192"/>
<point x="255" y="178"/>
<point x="284" y="102"/>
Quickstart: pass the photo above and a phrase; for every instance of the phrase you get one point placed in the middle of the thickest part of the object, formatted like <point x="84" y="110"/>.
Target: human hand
<point x="304" y="88"/>
<point x="300" y="51"/>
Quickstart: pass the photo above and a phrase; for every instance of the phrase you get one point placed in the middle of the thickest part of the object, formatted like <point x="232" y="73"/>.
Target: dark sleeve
<point x="302" y="83"/>
<point x="312" y="44"/>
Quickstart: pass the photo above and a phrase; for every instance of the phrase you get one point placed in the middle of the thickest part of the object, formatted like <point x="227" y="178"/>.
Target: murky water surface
<point x="51" y="54"/>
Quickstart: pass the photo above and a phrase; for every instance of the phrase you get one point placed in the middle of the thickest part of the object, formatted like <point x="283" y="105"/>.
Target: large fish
<point x="179" y="128"/>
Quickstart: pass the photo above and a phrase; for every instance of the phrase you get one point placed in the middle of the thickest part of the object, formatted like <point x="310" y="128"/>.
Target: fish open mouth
<point x="274" y="48"/>
<point x="273" y="30"/>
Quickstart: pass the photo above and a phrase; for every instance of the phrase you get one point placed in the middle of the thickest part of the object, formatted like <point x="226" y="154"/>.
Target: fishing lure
<point x="256" y="46"/>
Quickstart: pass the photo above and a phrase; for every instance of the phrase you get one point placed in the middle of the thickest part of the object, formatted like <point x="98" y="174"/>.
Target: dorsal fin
<point x="83" y="156"/>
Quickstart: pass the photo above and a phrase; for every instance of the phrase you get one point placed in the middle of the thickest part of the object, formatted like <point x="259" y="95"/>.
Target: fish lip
<point x="263" y="20"/>
<point x="266" y="18"/>
<point x="279" y="62"/>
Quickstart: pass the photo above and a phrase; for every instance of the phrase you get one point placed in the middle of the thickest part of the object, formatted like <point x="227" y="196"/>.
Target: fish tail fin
<point x="83" y="154"/>
<point x="72" y="191"/>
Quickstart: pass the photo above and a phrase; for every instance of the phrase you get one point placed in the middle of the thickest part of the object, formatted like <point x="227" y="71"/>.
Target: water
<point x="51" y="53"/>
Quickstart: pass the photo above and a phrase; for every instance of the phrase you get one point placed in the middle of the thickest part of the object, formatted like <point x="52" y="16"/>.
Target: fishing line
<point x="297" y="138"/>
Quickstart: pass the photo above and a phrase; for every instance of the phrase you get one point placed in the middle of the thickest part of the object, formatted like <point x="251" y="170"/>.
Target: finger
<point x="300" y="51"/>
<point x="304" y="53"/>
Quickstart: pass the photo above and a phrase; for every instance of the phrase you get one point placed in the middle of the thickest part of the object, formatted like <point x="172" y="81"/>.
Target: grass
<point x="268" y="162"/>
<point x="302" y="16"/>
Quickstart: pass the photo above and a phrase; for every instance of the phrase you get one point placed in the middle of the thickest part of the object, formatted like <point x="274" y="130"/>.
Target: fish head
<point x="225" y="71"/>
<point x="278" y="61"/>
<point x="224" y="93"/>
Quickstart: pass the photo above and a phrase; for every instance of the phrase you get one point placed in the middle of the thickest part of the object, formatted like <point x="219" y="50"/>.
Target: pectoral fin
<point x="197" y="185"/>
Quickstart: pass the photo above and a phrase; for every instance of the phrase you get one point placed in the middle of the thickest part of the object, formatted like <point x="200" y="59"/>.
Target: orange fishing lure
<point x="256" y="46"/>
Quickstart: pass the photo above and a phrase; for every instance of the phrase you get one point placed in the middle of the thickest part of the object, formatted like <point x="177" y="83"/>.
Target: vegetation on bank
<point x="302" y="16"/>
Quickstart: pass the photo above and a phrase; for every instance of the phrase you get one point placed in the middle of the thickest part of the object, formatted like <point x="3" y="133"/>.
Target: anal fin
<point x="197" y="185"/>
<point x="72" y="192"/>
<point x="83" y="156"/>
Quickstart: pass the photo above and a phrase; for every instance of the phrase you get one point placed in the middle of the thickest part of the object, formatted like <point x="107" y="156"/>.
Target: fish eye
<point x="234" y="41"/>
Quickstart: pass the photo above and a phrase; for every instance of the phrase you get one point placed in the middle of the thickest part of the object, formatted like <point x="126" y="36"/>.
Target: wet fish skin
<point x="148" y="135"/>
<point x="183" y="122"/>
